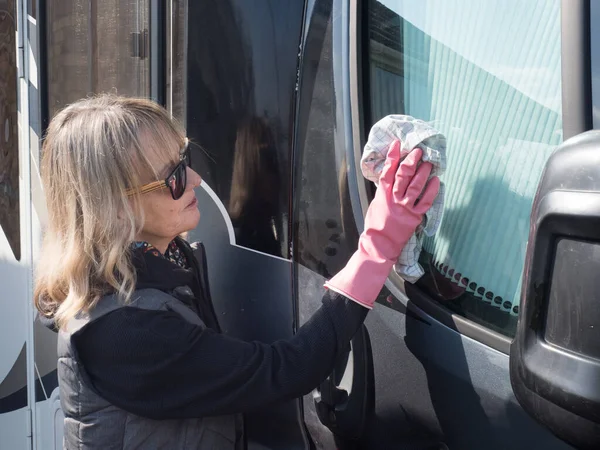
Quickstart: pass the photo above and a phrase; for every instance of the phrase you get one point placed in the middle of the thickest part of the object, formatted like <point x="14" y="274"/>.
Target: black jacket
<point x="157" y="365"/>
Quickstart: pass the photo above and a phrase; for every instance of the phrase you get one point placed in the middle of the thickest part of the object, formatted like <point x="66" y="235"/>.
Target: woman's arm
<point x="155" y="364"/>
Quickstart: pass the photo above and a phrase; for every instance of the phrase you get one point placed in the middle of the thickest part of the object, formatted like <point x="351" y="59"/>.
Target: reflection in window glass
<point x="95" y="47"/>
<point x="241" y="71"/>
<point x="9" y="145"/>
<point x="595" y="57"/>
<point x="497" y="98"/>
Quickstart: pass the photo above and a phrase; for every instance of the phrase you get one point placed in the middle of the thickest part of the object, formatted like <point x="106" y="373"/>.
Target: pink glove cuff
<point x="348" y="296"/>
<point x="362" y="278"/>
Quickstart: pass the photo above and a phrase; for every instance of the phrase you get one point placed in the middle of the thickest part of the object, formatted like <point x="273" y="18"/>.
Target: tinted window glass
<point x="241" y="73"/>
<point x="95" y="47"/>
<point x="496" y="95"/>
<point x="9" y="144"/>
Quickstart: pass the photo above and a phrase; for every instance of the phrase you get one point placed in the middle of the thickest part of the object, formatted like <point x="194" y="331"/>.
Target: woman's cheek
<point x="174" y="218"/>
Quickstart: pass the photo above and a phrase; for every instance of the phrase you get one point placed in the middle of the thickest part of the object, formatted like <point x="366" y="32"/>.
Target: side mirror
<point x="555" y="356"/>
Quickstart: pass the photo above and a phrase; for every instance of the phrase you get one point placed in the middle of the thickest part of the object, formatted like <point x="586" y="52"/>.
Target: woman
<point x="141" y="361"/>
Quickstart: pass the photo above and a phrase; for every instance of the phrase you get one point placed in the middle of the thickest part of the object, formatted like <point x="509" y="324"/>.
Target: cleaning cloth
<point x="412" y="133"/>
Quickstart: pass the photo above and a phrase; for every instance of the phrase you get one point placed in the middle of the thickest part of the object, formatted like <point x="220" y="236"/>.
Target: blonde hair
<point x="94" y="150"/>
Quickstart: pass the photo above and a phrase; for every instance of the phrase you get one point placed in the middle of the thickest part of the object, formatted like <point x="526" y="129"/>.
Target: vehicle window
<point x="96" y="47"/>
<point x="595" y="60"/>
<point x="9" y="144"/>
<point x="241" y="68"/>
<point x="487" y="75"/>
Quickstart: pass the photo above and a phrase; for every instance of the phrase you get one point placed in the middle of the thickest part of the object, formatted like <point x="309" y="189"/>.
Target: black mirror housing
<point x="555" y="356"/>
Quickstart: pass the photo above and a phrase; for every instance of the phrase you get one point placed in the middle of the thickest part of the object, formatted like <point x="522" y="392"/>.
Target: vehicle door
<point x="507" y="83"/>
<point x="227" y="70"/>
<point x="236" y="84"/>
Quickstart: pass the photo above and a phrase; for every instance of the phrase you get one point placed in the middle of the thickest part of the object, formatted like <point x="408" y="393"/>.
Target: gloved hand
<point x="392" y="218"/>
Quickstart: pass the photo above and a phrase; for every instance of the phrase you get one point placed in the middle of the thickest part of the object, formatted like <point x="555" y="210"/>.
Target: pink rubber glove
<point x="392" y="218"/>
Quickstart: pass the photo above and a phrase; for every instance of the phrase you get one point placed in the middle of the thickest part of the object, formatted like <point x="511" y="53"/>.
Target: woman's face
<point x="166" y="218"/>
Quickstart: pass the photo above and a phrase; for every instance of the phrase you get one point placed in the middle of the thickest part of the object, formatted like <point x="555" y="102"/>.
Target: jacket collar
<point x="163" y="272"/>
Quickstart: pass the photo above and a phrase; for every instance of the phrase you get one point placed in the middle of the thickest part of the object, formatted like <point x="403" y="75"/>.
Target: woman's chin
<point x="193" y="219"/>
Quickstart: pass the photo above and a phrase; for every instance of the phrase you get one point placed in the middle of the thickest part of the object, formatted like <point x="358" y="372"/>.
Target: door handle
<point x="345" y="400"/>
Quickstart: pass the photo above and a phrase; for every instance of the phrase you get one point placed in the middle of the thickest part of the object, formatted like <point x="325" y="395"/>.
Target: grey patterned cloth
<point x="412" y="133"/>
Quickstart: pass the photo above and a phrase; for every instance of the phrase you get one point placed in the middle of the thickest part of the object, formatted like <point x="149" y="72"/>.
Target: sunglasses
<point x="177" y="179"/>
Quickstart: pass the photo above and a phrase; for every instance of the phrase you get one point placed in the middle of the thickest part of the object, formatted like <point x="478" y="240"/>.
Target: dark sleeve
<point x="157" y="365"/>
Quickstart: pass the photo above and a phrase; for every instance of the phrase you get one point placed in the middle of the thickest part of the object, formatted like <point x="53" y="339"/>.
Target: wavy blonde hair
<point x="94" y="150"/>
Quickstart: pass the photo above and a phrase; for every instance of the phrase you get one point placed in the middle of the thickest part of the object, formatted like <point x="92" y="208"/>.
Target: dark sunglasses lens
<point x="178" y="181"/>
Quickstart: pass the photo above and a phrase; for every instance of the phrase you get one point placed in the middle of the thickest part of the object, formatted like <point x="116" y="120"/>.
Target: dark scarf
<point x="175" y="268"/>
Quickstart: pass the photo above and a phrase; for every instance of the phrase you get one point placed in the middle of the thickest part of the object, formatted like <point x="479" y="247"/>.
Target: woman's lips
<point x="193" y="203"/>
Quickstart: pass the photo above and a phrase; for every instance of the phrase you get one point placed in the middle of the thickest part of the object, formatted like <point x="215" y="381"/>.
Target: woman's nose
<point x="193" y="178"/>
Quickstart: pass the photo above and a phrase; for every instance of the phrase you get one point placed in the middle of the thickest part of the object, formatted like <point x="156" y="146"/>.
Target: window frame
<point x="576" y="115"/>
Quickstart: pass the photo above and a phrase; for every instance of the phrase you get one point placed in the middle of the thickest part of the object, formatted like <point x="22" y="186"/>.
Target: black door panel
<point x="242" y="60"/>
<point x="432" y="383"/>
<point x="251" y="308"/>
